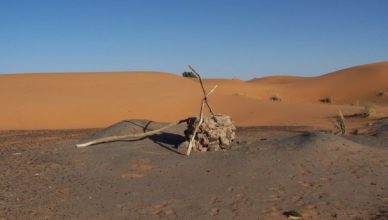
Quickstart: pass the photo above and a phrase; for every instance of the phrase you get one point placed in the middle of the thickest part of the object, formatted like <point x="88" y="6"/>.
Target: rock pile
<point x="216" y="133"/>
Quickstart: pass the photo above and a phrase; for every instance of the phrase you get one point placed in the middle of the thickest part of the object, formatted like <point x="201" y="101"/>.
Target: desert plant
<point x="369" y="109"/>
<point x="189" y="75"/>
<point x="275" y="98"/>
<point x="381" y="93"/>
<point x="326" y="100"/>
<point x="341" y="122"/>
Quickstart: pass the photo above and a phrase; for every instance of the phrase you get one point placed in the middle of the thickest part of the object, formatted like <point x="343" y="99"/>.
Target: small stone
<point x="225" y="140"/>
<point x="214" y="147"/>
<point x="214" y="211"/>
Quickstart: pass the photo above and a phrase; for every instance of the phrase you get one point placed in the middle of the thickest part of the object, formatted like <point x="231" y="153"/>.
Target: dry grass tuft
<point x="369" y="109"/>
<point x="341" y="122"/>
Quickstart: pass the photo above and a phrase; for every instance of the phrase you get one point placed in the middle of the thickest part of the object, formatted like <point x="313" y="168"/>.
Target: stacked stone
<point x="216" y="133"/>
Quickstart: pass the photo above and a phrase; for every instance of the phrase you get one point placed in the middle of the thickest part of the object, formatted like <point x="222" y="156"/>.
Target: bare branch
<point x="196" y="129"/>
<point x="121" y="137"/>
<point x="203" y="89"/>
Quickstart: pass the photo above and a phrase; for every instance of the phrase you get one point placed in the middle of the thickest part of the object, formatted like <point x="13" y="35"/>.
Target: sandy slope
<point x="81" y="100"/>
<point x="276" y="79"/>
<point x="354" y="85"/>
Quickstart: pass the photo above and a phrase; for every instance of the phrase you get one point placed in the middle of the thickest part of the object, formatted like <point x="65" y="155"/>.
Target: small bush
<point x="189" y="75"/>
<point x="341" y="122"/>
<point x="381" y="94"/>
<point x="369" y="109"/>
<point x="326" y="100"/>
<point x="275" y="98"/>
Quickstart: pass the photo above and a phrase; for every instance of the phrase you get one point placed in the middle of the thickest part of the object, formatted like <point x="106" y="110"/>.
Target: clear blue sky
<point x="221" y="38"/>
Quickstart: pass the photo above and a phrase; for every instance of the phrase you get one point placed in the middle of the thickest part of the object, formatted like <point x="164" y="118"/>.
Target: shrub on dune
<point x="275" y="98"/>
<point x="326" y="100"/>
<point x="189" y="75"/>
<point x="369" y="109"/>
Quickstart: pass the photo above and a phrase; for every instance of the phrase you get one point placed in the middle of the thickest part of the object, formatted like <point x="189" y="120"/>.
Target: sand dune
<point x="355" y="85"/>
<point x="276" y="79"/>
<point x="84" y="100"/>
<point x="92" y="99"/>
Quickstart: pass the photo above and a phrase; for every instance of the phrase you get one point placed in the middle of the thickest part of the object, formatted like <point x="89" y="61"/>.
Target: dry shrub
<point x="326" y="100"/>
<point x="369" y="109"/>
<point x="341" y="122"/>
<point x="275" y="98"/>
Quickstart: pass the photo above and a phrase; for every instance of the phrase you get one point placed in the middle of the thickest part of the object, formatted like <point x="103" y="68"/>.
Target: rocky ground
<point x="268" y="171"/>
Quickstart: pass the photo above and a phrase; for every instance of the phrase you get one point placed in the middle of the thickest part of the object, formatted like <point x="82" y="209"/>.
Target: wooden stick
<point x="200" y="120"/>
<point x="121" y="137"/>
<point x="203" y="89"/>
<point x="211" y="91"/>
<point x="196" y="129"/>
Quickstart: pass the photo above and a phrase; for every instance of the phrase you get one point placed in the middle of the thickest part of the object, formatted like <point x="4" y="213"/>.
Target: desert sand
<point x="268" y="171"/>
<point x="96" y="100"/>
<point x="288" y="154"/>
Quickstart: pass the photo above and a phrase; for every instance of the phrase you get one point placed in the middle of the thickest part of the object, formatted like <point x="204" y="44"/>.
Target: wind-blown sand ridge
<point x="84" y="100"/>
